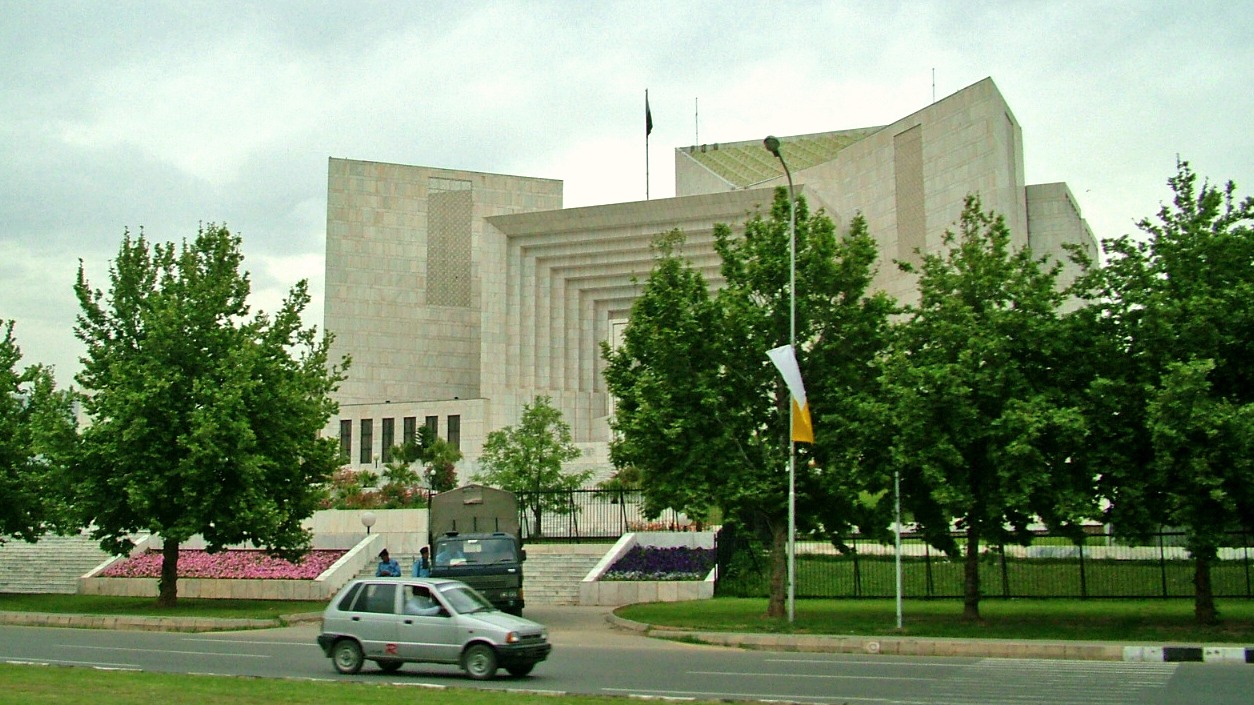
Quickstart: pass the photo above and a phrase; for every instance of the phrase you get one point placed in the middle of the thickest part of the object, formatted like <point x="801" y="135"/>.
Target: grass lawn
<point x="1143" y="621"/>
<point x="147" y="606"/>
<point x="53" y="685"/>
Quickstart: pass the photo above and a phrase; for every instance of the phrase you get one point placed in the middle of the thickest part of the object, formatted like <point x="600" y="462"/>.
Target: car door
<point x="427" y="637"/>
<point x="373" y="620"/>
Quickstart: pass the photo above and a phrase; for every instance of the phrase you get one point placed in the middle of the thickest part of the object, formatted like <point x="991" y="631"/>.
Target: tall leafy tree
<point x="982" y="418"/>
<point x="703" y="414"/>
<point x="1171" y="410"/>
<point x="36" y="434"/>
<point x="665" y="378"/>
<point x="204" y="419"/>
<point x="527" y="459"/>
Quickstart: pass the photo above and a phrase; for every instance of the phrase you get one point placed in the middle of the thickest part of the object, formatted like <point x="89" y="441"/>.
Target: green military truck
<point x="475" y="539"/>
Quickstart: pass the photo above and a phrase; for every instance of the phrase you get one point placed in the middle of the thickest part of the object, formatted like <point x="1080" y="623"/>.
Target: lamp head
<point x="772" y="145"/>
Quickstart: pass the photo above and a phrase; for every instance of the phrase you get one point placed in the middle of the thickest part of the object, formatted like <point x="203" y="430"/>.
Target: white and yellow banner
<point x="786" y="361"/>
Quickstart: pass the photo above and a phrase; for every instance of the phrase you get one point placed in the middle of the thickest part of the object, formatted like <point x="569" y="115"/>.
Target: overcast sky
<point x="163" y="115"/>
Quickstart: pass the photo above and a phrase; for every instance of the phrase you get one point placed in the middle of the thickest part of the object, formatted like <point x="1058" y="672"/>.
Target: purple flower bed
<point x="226" y="564"/>
<point x="655" y="563"/>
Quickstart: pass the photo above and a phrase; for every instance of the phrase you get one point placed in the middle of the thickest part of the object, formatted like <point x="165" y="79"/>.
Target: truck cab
<point x="491" y="563"/>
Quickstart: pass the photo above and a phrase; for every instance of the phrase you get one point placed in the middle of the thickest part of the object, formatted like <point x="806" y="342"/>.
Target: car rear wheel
<point x="520" y="670"/>
<point x="480" y="662"/>
<point x="347" y="656"/>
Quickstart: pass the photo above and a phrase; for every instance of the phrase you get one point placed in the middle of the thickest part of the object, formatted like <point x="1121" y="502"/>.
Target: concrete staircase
<point x="52" y="565"/>
<point x="554" y="570"/>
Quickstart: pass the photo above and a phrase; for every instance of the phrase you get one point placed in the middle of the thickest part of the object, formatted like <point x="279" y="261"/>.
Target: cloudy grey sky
<point x="163" y="115"/>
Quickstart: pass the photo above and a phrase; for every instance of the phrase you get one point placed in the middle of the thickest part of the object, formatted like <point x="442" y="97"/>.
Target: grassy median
<point x="1142" y="621"/>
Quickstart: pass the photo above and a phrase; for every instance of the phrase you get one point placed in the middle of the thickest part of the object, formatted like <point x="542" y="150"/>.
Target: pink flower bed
<point x="226" y="564"/>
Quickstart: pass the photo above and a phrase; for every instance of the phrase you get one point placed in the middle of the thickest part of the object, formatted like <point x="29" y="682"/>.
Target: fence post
<point x="927" y="563"/>
<point x="1005" y="574"/>
<point x="1084" y="585"/>
<point x="1245" y="543"/>
<point x="1162" y="561"/>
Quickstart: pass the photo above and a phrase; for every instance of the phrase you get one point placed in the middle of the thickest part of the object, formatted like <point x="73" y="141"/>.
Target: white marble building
<point x="463" y="295"/>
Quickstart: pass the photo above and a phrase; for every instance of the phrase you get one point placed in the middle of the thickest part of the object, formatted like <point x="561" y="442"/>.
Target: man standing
<point x="422" y="566"/>
<point x="388" y="568"/>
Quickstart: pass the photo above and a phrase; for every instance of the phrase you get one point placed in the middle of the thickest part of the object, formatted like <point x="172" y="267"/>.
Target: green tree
<point x="527" y="459"/>
<point x="441" y="469"/>
<point x="703" y="414"/>
<point x="203" y="420"/>
<point x="1171" y="410"/>
<point x="665" y="380"/>
<point x="36" y="435"/>
<point x="981" y="416"/>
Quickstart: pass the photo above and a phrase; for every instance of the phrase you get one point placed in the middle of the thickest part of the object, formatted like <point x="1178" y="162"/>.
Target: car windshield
<point x="465" y="599"/>
<point x="453" y="551"/>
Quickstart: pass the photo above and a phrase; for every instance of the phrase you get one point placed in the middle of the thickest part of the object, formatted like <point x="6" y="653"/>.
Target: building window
<point x="433" y="425"/>
<point x="410" y="429"/>
<point x="346" y="440"/>
<point x="455" y="431"/>
<point x="367" y="439"/>
<point x="389" y="438"/>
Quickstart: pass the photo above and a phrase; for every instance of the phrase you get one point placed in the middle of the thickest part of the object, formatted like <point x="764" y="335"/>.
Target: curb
<point x="1187" y="654"/>
<point x="134" y="623"/>
<point x="921" y="646"/>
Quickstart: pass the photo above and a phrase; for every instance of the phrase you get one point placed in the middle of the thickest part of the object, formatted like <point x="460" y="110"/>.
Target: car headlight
<point x="512" y="638"/>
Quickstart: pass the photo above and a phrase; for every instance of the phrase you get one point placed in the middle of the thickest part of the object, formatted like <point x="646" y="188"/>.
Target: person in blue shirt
<point x="422" y="566"/>
<point x="388" y="568"/>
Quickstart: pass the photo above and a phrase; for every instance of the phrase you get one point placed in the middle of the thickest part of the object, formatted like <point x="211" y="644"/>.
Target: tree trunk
<point x="536" y="531"/>
<point x="779" y="571"/>
<point x="1203" y="595"/>
<point x="971" y="576"/>
<point x="168" y="585"/>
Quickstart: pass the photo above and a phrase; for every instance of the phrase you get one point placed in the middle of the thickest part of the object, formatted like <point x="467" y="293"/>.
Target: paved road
<point x="592" y="656"/>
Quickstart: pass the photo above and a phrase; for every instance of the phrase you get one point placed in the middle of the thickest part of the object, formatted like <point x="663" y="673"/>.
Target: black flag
<point x="648" y="116"/>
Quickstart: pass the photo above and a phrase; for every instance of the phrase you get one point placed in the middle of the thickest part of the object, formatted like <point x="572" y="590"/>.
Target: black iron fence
<point x="589" y="516"/>
<point x="1101" y="567"/>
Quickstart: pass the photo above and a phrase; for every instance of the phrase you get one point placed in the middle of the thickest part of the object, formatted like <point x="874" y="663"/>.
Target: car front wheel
<point x="347" y="656"/>
<point x="480" y="662"/>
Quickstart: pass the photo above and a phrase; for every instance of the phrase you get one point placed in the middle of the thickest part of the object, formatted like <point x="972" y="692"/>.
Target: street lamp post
<point x="367" y="520"/>
<point x="772" y="146"/>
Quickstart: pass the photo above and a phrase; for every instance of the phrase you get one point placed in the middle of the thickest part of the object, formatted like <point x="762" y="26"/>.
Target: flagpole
<point x="648" y="127"/>
<point x="772" y="144"/>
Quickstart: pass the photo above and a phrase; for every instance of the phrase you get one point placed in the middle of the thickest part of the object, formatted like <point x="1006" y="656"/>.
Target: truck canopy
<point x="474" y="509"/>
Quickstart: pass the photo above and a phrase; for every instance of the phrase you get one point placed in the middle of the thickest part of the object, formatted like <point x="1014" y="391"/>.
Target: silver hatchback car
<point x="393" y="621"/>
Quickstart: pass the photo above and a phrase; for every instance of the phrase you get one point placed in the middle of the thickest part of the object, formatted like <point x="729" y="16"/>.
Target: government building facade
<point x="462" y="296"/>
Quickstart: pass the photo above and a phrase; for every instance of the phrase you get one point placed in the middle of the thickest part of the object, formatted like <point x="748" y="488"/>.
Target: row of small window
<point x="409" y="431"/>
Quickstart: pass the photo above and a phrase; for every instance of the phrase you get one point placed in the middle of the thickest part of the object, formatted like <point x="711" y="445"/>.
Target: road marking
<point x="96" y="664"/>
<point x="1045" y="682"/>
<point x="163" y="651"/>
<point x="867" y="662"/>
<point x="831" y="676"/>
<point x="274" y="642"/>
<point x="765" y="697"/>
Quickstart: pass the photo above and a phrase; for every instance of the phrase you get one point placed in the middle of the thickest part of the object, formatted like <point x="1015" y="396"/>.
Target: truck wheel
<point x="347" y="656"/>
<point x="520" y="670"/>
<point x="479" y="662"/>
